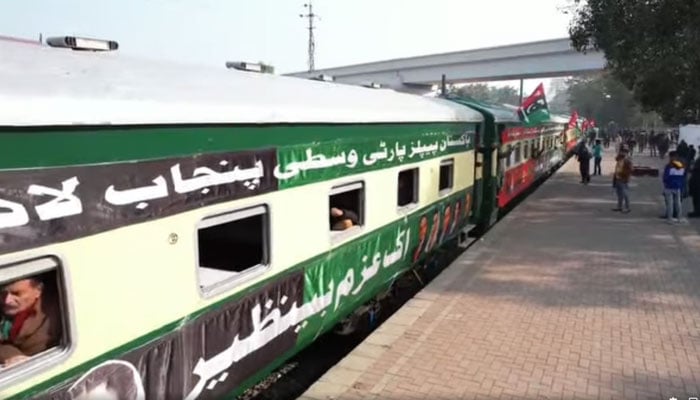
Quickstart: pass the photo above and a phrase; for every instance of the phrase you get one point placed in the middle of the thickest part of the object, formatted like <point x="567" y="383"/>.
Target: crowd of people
<point x="657" y="142"/>
<point x="680" y="177"/>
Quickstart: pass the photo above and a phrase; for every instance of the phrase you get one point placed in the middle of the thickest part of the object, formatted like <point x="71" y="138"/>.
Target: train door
<point x="485" y="178"/>
<point x="498" y="170"/>
<point x="478" y="187"/>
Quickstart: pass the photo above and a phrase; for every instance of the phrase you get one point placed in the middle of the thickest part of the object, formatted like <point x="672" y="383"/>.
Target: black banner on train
<point x="41" y="206"/>
<point x="205" y="358"/>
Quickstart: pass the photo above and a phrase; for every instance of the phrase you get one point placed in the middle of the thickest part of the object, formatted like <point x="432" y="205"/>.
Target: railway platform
<point x="562" y="299"/>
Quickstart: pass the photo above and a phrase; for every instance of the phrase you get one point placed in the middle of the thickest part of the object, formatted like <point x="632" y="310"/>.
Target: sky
<point x="349" y="32"/>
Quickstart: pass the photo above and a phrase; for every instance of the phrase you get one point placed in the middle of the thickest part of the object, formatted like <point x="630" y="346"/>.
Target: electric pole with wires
<point x="312" y="43"/>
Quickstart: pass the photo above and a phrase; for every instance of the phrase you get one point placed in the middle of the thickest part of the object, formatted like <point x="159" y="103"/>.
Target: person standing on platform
<point x="674" y="183"/>
<point x="694" y="190"/>
<point x="691" y="155"/>
<point x="664" y="144"/>
<point x="584" y="161"/>
<point x="597" y="157"/>
<point x="621" y="179"/>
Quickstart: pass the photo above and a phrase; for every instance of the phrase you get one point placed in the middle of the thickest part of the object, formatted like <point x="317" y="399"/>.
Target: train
<point x="185" y="229"/>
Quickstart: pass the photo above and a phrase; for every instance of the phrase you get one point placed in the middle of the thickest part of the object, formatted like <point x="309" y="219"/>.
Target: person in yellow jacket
<point x="621" y="179"/>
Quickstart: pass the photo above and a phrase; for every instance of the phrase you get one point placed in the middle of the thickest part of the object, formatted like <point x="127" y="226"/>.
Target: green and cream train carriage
<point x="179" y="216"/>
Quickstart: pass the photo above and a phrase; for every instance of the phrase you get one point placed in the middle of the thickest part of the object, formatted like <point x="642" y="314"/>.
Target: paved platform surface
<point x="563" y="299"/>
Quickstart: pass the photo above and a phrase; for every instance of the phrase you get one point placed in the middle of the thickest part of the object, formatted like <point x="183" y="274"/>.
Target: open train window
<point x="346" y="204"/>
<point x="34" y="318"/>
<point x="232" y="247"/>
<point x="408" y="188"/>
<point x="447" y="171"/>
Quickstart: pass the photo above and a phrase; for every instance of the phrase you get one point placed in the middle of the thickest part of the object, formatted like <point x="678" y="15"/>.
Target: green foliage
<point x="490" y="94"/>
<point x="652" y="47"/>
<point x="608" y="101"/>
<point x="559" y="104"/>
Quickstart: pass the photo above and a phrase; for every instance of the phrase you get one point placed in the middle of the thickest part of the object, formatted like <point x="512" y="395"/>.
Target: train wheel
<point x="348" y="325"/>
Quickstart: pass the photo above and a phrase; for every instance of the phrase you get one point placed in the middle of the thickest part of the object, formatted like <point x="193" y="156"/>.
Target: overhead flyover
<point x="543" y="59"/>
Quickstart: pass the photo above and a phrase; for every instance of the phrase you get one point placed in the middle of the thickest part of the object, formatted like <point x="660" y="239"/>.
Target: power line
<point x="312" y="42"/>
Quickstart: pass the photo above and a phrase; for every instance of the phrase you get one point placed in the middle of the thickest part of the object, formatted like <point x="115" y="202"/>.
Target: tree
<point x="559" y="102"/>
<point x="478" y="91"/>
<point x="651" y="46"/>
<point x="607" y="100"/>
<point x="505" y="95"/>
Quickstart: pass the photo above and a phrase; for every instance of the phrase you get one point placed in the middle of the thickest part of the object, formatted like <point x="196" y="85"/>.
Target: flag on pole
<point x="573" y="121"/>
<point x="534" y="109"/>
<point x="585" y="125"/>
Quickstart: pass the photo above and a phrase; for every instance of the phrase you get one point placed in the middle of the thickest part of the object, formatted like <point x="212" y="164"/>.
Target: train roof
<point x="559" y="119"/>
<point x="41" y="85"/>
<point x="499" y="113"/>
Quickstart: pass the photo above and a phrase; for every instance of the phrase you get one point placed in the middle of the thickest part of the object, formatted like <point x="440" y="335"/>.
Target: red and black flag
<point x="534" y="109"/>
<point x="573" y="121"/>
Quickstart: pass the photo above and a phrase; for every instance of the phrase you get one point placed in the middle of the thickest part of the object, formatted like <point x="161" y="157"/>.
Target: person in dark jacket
<point x="691" y="155"/>
<point x="584" y="160"/>
<point x="694" y="189"/>
<point x="674" y="182"/>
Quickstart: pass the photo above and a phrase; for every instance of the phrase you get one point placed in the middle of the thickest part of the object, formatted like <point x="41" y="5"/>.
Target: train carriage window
<point x="446" y="176"/>
<point x="407" y="188"/>
<point x="34" y="320"/>
<point x="231" y="248"/>
<point x="526" y="150"/>
<point x="533" y="149"/>
<point x="516" y="157"/>
<point x="346" y="204"/>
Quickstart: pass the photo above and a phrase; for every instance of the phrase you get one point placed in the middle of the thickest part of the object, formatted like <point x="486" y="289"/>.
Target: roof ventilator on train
<point x="324" y="78"/>
<point x="250" y="67"/>
<point x="372" y="85"/>
<point x="85" y="44"/>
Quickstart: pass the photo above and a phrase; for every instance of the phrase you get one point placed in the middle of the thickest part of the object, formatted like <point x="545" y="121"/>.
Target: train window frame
<point x="340" y="236"/>
<point x="526" y="149"/>
<point x="450" y="163"/>
<point x="12" y="269"/>
<point x="234" y="279"/>
<point x="415" y="200"/>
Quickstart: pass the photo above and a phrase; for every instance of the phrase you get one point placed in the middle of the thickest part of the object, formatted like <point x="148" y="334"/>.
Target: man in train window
<point x="25" y="329"/>
<point x="342" y="219"/>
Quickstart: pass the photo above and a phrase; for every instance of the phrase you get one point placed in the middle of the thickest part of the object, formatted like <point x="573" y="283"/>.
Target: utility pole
<point x="521" y="93"/>
<point x="312" y="43"/>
